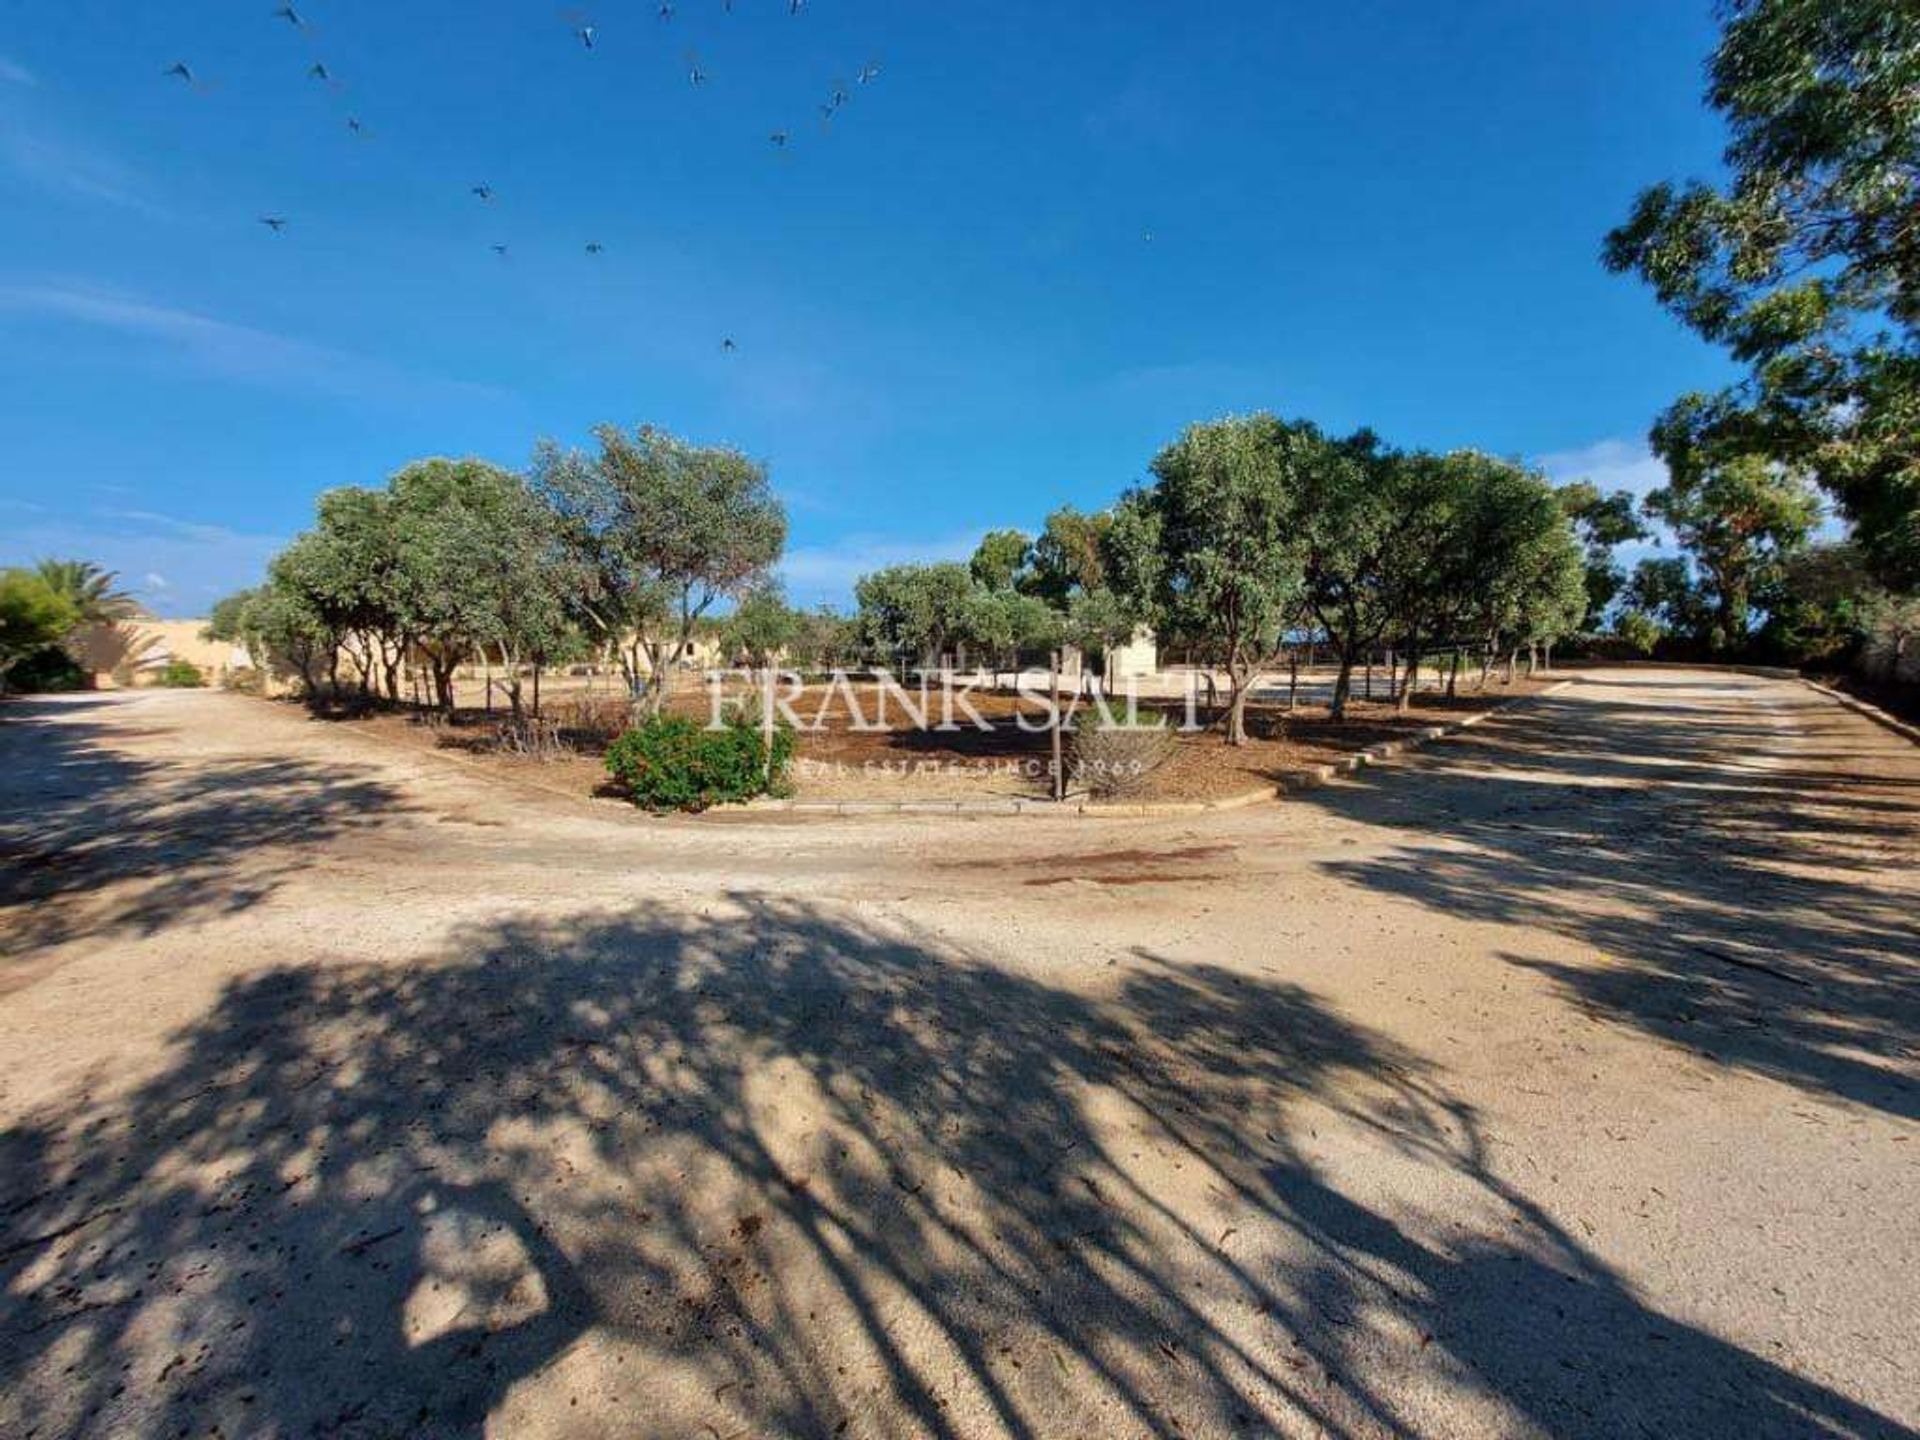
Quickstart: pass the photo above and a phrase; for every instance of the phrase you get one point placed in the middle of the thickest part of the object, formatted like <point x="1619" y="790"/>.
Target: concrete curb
<point x="1872" y="712"/>
<point x="1302" y="779"/>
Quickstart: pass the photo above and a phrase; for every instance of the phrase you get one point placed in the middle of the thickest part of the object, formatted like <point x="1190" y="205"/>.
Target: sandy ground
<point x="1560" y="1081"/>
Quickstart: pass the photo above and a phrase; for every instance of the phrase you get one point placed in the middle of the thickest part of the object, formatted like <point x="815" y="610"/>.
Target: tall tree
<point x="1000" y="560"/>
<point x="665" y="529"/>
<point x="1805" y="263"/>
<point x="1737" y="519"/>
<point x="1209" y="545"/>
<point x="762" y="625"/>
<point x="1350" y="515"/>
<point x="1604" y="522"/>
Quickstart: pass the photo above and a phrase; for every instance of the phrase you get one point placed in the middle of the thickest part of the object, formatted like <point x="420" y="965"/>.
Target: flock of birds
<point x="587" y="33"/>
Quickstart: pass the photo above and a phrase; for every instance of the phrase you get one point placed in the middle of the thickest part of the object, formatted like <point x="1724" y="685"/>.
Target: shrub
<point x="1118" y="759"/>
<point x="182" y="675"/>
<point x="673" y="762"/>
<point x="48" y="671"/>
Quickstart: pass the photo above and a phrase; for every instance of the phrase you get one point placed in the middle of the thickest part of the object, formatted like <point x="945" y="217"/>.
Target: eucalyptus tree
<point x="1737" y="519"/>
<point x="1001" y="560"/>
<point x="663" y="530"/>
<point x="1604" y="521"/>
<point x="1805" y="261"/>
<point x="1209" y="550"/>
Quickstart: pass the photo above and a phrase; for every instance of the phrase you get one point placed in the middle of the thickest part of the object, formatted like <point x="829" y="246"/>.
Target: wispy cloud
<point x="235" y="352"/>
<point x="817" y="574"/>
<point x="150" y="551"/>
<point x="12" y="72"/>
<point x="63" y="167"/>
<point x="1611" y="465"/>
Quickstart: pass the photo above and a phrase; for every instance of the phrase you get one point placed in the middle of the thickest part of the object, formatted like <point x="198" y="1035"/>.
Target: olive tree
<point x="662" y="530"/>
<point x="1208" y="547"/>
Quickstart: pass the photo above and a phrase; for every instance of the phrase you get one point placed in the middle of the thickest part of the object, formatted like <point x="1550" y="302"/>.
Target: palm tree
<point x="90" y="590"/>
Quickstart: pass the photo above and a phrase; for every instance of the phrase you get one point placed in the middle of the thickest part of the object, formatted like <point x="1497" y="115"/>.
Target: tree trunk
<point x="1237" y="708"/>
<point x="1412" y="681"/>
<point x="1453" y="674"/>
<point x="1343" y="684"/>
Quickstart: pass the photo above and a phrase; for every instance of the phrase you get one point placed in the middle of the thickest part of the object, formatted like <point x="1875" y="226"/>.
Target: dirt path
<point x="1559" y="1081"/>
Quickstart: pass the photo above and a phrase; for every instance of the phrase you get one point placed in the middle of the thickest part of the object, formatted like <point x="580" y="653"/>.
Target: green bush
<point x="673" y="762"/>
<point x="182" y="675"/>
<point x="47" y="672"/>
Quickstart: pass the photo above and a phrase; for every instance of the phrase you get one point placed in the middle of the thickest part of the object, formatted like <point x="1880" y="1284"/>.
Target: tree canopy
<point x="1805" y="263"/>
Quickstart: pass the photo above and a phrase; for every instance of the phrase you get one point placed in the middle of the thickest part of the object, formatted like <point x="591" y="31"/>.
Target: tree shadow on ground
<point x="776" y="1171"/>
<point x="1747" y="904"/>
<point x="95" y="841"/>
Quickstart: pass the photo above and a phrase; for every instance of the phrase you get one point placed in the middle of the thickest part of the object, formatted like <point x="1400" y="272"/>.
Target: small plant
<point x="1117" y="759"/>
<point x="673" y="762"/>
<point x="182" y="675"/>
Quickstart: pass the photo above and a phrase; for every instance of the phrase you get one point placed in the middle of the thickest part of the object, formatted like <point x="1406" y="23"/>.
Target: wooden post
<point x="1059" y="766"/>
<point x="1369" y="674"/>
<point x="1293" y="679"/>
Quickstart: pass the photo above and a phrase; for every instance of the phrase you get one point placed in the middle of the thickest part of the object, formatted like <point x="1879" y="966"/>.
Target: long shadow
<point x="95" y="841"/>
<point x="1747" y="903"/>
<point x="780" y="1172"/>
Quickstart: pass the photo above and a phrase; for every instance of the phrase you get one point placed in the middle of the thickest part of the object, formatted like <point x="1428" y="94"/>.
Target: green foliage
<point x="1005" y="623"/>
<point x="181" y="675"/>
<point x="1603" y="523"/>
<point x="90" y="590"/>
<point x="915" y="612"/>
<point x="1817" y="602"/>
<point x="1738" y="520"/>
<point x="1001" y="560"/>
<point x="1804" y="263"/>
<point x="763" y="625"/>
<point x="50" y="670"/>
<point x="1212" y="551"/>
<point x="662" y="530"/>
<point x="1070" y="557"/>
<point x="1638" y="630"/>
<point x="33" y="615"/>
<point x="1663" y="588"/>
<point x="673" y="762"/>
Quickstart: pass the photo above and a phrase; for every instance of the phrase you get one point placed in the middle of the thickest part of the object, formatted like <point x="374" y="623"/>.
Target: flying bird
<point x="275" y="223"/>
<point x="794" y="6"/>
<point x="318" y="71"/>
<point x="869" y="73"/>
<point x="666" y="9"/>
<point x="484" y="192"/>
<point x="594" y="247"/>
<point x="291" y="16"/>
<point x="727" y="347"/>
<point x="779" y="139"/>
<point x="586" y="34"/>
<point x="501" y="251"/>
<point x="696" y="77"/>
<point x="179" y="68"/>
<point x="353" y="124"/>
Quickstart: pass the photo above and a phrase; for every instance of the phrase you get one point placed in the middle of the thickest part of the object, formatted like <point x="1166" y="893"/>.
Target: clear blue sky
<point x="948" y="312"/>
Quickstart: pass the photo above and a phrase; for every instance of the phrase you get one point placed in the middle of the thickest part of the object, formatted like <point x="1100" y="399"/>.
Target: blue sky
<point x="1045" y="237"/>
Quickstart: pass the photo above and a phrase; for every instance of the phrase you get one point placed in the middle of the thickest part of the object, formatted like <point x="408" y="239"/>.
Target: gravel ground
<point x="1560" y="1080"/>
